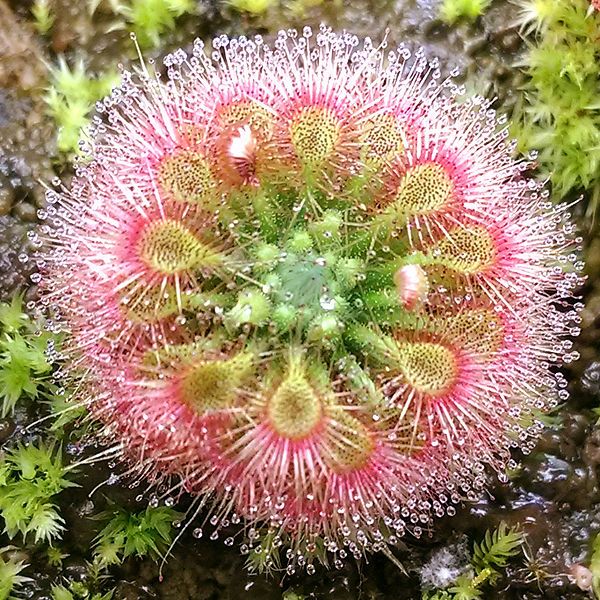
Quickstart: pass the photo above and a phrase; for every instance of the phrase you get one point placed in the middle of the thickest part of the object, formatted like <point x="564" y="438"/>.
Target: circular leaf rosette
<point x="309" y="285"/>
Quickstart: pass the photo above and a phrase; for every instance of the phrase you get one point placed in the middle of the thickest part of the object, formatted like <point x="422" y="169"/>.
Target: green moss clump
<point x="10" y="578"/>
<point x="560" y="111"/>
<point x="489" y="557"/>
<point x="30" y="478"/>
<point x="147" y="533"/>
<point x="70" y="100"/>
<point x="151" y="19"/>
<point x="24" y="365"/>
<point x="454" y="10"/>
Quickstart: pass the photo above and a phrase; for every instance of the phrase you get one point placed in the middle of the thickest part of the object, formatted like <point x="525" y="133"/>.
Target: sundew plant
<point x="309" y="285"/>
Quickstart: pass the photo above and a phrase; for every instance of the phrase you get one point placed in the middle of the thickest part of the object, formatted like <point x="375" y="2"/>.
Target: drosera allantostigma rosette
<point x="309" y="285"/>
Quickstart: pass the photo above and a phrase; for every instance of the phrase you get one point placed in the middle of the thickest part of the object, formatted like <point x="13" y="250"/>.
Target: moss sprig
<point x="595" y="565"/>
<point x="452" y="11"/>
<point x="24" y="364"/>
<point x="488" y="558"/>
<point x="70" y="100"/>
<point x="77" y="591"/>
<point x="150" y="20"/>
<point x="146" y="533"/>
<point x="43" y="15"/>
<point x="10" y="573"/>
<point x="559" y="114"/>
<point x="30" y="479"/>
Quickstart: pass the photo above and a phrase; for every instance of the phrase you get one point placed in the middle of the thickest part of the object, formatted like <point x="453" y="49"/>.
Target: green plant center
<point x="305" y="280"/>
<point x="484" y="328"/>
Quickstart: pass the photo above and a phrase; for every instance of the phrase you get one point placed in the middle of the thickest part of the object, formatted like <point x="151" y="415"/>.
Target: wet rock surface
<point x="554" y="495"/>
<point x="26" y="146"/>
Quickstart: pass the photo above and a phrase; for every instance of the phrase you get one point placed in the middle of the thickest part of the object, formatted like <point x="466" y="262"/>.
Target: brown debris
<point x="21" y="60"/>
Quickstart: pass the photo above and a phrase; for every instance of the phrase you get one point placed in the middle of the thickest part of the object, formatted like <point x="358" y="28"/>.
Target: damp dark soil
<point x="554" y="495"/>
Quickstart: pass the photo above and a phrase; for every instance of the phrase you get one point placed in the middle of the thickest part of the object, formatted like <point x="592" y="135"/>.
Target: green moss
<point x="30" y="478"/>
<point x="489" y="557"/>
<point x="75" y="591"/>
<point x="559" y="115"/>
<point x="151" y="19"/>
<point x="454" y="10"/>
<point x="24" y="365"/>
<point x="496" y="548"/>
<point x="595" y="565"/>
<point x="70" y="100"/>
<point x="43" y="16"/>
<point x="147" y="533"/>
<point x="534" y="15"/>
<point x="254" y="7"/>
<point x="10" y="578"/>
